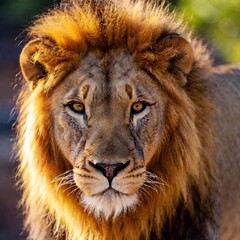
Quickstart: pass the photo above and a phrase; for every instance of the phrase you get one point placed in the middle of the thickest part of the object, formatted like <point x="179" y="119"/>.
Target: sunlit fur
<point x="118" y="206"/>
<point x="70" y="31"/>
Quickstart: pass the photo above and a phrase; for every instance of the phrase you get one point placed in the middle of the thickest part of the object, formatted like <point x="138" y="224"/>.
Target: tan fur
<point x="225" y="81"/>
<point x="76" y="40"/>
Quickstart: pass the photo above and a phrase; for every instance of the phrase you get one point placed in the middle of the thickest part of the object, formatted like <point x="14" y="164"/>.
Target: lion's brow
<point x="129" y="90"/>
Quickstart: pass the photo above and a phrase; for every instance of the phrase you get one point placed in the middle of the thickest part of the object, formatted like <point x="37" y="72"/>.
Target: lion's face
<point x="108" y="119"/>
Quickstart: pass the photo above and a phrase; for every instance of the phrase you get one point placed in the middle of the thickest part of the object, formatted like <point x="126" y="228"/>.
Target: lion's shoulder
<point x="225" y="84"/>
<point x="225" y="81"/>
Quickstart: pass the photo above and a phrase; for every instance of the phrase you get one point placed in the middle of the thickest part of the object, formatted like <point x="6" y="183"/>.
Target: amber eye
<point x="77" y="107"/>
<point x="138" y="107"/>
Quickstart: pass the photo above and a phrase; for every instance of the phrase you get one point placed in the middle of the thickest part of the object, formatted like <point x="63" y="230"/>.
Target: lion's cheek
<point x="151" y="145"/>
<point x="68" y="133"/>
<point x="150" y="135"/>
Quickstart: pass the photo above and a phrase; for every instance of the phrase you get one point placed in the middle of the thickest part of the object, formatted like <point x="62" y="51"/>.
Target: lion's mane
<point x="67" y="33"/>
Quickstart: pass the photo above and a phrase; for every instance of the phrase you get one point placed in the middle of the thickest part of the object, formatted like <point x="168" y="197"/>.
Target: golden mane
<point x="66" y="34"/>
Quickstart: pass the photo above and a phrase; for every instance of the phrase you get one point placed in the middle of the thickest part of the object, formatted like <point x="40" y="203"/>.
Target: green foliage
<point x="20" y="12"/>
<point x="218" y="21"/>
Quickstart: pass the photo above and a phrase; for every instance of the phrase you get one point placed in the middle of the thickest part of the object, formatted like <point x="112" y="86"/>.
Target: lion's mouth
<point x="109" y="203"/>
<point x="110" y="191"/>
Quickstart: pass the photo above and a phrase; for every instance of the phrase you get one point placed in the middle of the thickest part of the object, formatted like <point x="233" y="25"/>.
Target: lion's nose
<point x="109" y="170"/>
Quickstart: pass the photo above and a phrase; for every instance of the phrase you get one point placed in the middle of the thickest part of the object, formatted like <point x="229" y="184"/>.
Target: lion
<point x="121" y="119"/>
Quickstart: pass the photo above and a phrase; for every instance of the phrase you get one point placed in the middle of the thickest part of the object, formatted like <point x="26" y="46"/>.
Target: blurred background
<point x="217" y="21"/>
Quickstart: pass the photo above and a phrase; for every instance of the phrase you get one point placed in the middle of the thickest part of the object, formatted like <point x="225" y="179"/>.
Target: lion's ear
<point x="32" y="69"/>
<point x="181" y="59"/>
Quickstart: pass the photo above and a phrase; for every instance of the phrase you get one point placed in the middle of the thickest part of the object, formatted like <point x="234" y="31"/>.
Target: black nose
<point x="109" y="170"/>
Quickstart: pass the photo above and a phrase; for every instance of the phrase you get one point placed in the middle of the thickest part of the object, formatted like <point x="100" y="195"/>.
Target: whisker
<point x="154" y="182"/>
<point x="150" y="186"/>
<point x="66" y="183"/>
<point x="154" y="177"/>
<point x="145" y="192"/>
<point x="62" y="175"/>
<point x="63" y="179"/>
<point x="150" y="181"/>
<point x="74" y="191"/>
<point x="63" y="183"/>
<point x="69" y="188"/>
<point x="71" y="184"/>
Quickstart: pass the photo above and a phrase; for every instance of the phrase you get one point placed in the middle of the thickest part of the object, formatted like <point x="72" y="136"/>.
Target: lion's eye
<point x="77" y="107"/>
<point x="138" y="107"/>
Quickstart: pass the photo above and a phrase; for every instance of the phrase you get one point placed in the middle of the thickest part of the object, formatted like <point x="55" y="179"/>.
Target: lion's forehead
<point x="111" y="68"/>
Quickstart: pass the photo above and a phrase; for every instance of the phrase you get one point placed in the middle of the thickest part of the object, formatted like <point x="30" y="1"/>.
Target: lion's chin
<point x="109" y="204"/>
